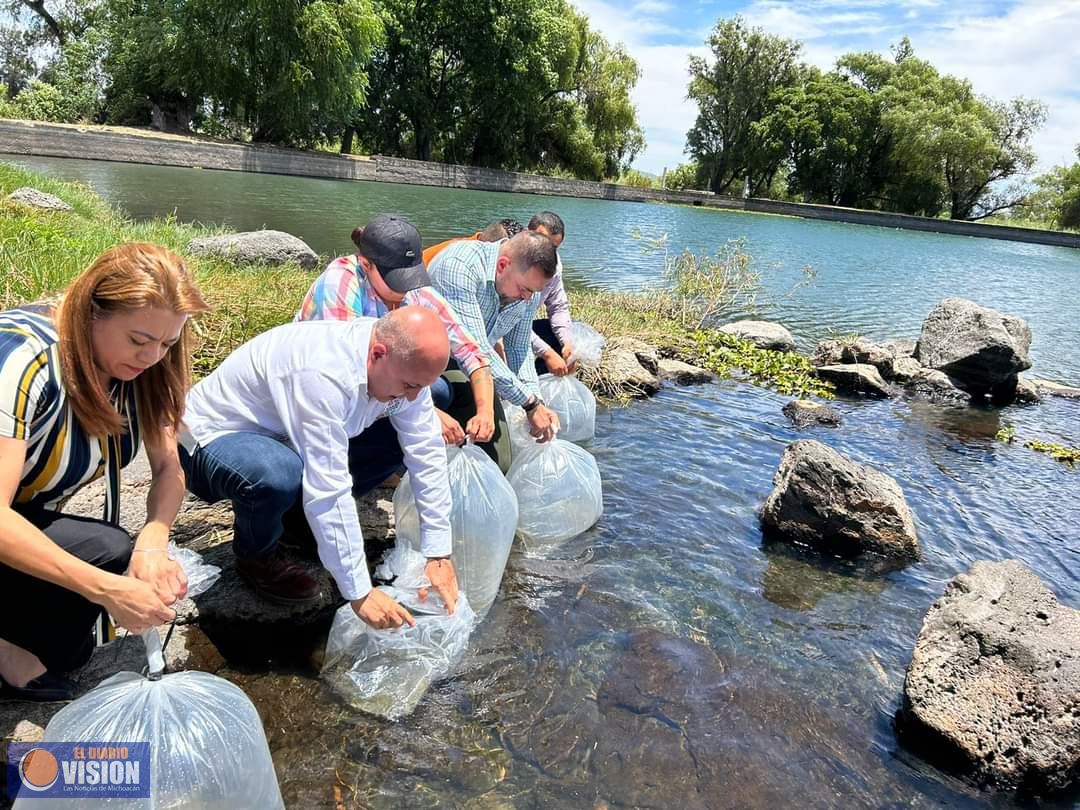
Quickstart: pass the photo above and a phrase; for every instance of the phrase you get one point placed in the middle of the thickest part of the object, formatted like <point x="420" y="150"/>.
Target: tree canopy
<point x="877" y="131"/>
<point x="519" y="84"/>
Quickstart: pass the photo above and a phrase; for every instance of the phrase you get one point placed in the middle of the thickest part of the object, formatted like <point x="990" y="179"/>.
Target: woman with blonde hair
<point x="82" y="383"/>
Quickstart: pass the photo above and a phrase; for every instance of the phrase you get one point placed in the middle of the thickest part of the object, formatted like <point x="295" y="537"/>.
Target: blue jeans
<point x="262" y="477"/>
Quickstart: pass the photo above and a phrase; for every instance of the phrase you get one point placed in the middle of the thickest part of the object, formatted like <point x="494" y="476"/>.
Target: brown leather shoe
<point x="278" y="579"/>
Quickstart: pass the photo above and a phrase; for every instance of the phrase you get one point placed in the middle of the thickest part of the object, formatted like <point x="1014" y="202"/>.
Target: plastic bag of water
<point x="483" y="521"/>
<point x="559" y="493"/>
<point x="387" y="672"/>
<point x="587" y="342"/>
<point x="207" y="746"/>
<point x="573" y="402"/>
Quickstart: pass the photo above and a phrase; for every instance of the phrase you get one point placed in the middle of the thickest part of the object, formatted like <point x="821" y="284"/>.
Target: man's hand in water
<point x="381" y="611"/>
<point x="440" y="572"/>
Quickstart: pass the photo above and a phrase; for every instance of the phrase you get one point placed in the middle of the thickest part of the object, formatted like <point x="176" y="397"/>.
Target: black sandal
<point x="45" y="688"/>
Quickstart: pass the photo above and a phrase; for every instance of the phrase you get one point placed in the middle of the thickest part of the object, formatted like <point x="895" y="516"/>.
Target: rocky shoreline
<point x="993" y="689"/>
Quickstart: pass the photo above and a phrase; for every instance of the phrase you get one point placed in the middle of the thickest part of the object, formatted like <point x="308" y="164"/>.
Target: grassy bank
<point x="40" y="252"/>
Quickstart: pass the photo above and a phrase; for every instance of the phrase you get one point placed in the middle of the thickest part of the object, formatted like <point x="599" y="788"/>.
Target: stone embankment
<point x="146" y="146"/>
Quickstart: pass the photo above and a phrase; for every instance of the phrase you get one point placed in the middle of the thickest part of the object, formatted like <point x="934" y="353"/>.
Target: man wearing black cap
<point x="387" y="272"/>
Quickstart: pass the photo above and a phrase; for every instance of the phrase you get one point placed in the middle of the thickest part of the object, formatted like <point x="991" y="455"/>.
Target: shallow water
<point x="666" y="657"/>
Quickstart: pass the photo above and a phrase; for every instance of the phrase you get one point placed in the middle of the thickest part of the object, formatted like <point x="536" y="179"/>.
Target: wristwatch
<point x="531" y="403"/>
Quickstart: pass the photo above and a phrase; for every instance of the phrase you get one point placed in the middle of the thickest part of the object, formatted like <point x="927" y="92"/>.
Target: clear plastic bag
<point x="587" y="342"/>
<point x="207" y="746"/>
<point x="200" y="576"/>
<point x="559" y="493"/>
<point x="387" y="672"/>
<point x="573" y="402"/>
<point x="518" y="424"/>
<point x="483" y="521"/>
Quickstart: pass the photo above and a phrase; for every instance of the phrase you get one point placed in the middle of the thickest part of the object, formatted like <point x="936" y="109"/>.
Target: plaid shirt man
<point x="465" y="274"/>
<point x="343" y="292"/>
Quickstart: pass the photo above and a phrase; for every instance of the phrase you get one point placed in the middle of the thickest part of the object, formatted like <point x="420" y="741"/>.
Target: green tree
<point x="733" y="92"/>
<point x="518" y="84"/>
<point x="69" y="90"/>
<point x="684" y="176"/>
<point x="829" y="128"/>
<point x="289" y="73"/>
<point x="949" y="149"/>
<point x="1069" y="208"/>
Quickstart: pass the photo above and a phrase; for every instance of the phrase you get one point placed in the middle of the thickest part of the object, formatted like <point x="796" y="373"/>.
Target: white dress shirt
<point x="305" y="384"/>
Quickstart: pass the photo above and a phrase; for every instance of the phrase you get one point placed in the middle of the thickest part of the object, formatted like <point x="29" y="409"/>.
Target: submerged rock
<point x="993" y="688"/>
<point x="981" y="349"/>
<point x="938" y="387"/>
<point x="256" y="247"/>
<point x="831" y="503"/>
<point x="803" y="413"/>
<point x="856" y="378"/>
<point x="1055" y="389"/>
<point x="38" y="199"/>
<point x="682" y="373"/>
<point x="763" y="334"/>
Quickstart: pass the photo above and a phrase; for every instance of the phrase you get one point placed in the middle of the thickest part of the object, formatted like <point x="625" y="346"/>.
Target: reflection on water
<point x="668" y="657"/>
<point x="880" y="282"/>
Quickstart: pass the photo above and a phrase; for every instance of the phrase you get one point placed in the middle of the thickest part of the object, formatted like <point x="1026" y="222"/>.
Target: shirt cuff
<point x="355" y="584"/>
<point x="437" y="543"/>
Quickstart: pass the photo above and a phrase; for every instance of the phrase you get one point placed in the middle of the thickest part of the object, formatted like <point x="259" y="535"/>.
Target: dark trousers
<point x="53" y="623"/>
<point x="542" y="328"/>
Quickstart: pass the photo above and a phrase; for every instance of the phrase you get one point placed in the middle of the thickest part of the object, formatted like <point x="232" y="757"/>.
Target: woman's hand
<point x="134" y="604"/>
<point x="156" y="568"/>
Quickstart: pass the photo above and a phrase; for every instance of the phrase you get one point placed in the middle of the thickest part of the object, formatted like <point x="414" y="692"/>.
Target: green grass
<point x="40" y="252"/>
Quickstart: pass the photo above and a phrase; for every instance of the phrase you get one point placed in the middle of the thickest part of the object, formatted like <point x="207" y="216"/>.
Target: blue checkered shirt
<point x="465" y="275"/>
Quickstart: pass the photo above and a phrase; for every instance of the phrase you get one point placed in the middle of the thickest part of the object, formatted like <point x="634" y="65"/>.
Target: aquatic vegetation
<point x="1059" y="452"/>
<point x="785" y="372"/>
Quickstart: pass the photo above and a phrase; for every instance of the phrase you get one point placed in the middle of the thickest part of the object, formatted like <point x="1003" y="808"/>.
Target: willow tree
<point x="282" y="72"/>
<point x="733" y="89"/>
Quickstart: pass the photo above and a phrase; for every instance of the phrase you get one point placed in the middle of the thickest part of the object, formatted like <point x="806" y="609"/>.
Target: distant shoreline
<point x="130" y="145"/>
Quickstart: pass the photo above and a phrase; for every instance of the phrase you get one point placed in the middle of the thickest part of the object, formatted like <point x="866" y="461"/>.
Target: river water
<point x="667" y="656"/>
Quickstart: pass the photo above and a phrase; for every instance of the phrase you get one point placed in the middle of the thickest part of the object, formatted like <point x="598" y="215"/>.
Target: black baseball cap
<point x="392" y="243"/>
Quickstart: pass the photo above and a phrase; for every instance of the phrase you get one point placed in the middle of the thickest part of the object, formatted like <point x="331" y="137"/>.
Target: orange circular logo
<point x="38" y="769"/>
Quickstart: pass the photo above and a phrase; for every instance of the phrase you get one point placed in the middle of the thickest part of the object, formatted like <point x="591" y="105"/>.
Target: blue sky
<point x="1006" y="48"/>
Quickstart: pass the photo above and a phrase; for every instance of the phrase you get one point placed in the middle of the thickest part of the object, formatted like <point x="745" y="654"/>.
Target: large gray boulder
<point x="38" y="199"/>
<point x="763" y="334"/>
<point x="829" y="502"/>
<point x="856" y="378"/>
<point x="256" y="247"/>
<point x="981" y="349"/>
<point x="993" y="688"/>
<point x="628" y="366"/>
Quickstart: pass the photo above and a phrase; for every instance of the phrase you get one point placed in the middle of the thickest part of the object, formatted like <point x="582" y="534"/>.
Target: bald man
<point x="274" y="427"/>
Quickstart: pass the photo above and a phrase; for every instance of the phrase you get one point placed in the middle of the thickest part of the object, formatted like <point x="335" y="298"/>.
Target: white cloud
<point x="1027" y="49"/>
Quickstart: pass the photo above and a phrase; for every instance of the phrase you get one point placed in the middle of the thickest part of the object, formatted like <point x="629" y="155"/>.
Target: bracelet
<point x="530" y="408"/>
<point x="149" y="551"/>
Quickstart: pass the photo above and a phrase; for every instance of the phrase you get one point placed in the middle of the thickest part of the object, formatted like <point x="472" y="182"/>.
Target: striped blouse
<point x="343" y="292"/>
<point x="60" y="456"/>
